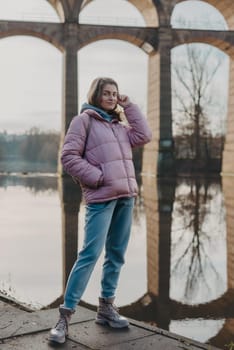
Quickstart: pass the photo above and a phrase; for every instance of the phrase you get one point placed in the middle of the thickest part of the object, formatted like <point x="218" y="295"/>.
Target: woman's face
<point x="109" y="97"/>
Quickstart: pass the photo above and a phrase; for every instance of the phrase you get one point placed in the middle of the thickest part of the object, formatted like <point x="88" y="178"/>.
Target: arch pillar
<point x="160" y="152"/>
<point x="228" y="164"/>
<point x="69" y="94"/>
<point x="228" y="191"/>
<point x="150" y="158"/>
<point x="70" y="198"/>
<point x="158" y="202"/>
<point x="149" y="179"/>
<point x="152" y="229"/>
<point x="158" y="160"/>
<point x="69" y="191"/>
<point x="70" y="87"/>
<point x="166" y="145"/>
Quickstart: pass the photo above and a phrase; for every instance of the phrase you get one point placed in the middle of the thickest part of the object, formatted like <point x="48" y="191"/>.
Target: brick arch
<point x="222" y="41"/>
<point x="221" y="45"/>
<point x="225" y="7"/>
<point x="58" y="7"/>
<point x="147" y="9"/>
<point x="67" y="10"/>
<point x="28" y="32"/>
<point x="118" y="33"/>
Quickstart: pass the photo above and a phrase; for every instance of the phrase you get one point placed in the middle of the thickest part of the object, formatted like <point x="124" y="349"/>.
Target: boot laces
<point x="113" y="308"/>
<point x="62" y="323"/>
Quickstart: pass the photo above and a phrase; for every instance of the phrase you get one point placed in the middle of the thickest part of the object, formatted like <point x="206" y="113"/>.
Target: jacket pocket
<point x="102" y="178"/>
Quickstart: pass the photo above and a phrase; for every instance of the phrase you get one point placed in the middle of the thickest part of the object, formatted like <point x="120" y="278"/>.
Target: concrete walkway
<point x="22" y="329"/>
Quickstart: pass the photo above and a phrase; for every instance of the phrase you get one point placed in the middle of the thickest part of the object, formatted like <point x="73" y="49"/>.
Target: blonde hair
<point x="96" y="88"/>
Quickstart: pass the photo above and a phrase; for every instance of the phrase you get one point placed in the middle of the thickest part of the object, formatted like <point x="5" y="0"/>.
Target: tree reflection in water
<point x="198" y="236"/>
<point x="33" y="181"/>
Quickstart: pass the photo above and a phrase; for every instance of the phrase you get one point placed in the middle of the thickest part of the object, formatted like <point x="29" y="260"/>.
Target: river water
<point x="179" y="271"/>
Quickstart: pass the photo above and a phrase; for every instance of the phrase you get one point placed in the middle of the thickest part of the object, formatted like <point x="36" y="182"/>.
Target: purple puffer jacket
<point x="106" y="170"/>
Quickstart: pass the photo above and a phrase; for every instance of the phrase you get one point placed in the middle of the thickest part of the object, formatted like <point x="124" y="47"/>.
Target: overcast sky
<point x="31" y="69"/>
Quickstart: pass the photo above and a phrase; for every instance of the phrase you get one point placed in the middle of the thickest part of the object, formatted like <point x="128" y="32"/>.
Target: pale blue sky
<point x="31" y="69"/>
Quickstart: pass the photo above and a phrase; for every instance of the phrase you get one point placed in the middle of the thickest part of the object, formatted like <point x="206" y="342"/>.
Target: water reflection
<point x="30" y="248"/>
<point x="34" y="182"/>
<point x="180" y="266"/>
<point x="198" y="242"/>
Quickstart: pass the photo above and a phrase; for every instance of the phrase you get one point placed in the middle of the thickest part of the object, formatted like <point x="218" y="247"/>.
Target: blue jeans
<point x="106" y="224"/>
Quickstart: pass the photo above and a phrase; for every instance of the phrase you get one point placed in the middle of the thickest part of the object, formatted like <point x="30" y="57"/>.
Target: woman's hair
<point x="95" y="90"/>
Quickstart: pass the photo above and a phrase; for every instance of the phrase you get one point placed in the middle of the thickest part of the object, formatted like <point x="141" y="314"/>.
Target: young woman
<point x="97" y="152"/>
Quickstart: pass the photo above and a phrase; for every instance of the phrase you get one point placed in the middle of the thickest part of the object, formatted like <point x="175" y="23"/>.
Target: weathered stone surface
<point x="96" y="336"/>
<point x="156" y="342"/>
<point x="37" y="342"/>
<point x="14" y="323"/>
<point x="24" y="330"/>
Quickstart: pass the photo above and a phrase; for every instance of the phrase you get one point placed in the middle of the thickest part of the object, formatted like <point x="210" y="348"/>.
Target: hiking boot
<point x="107" y="313"/>
<point x="59" y="333"/>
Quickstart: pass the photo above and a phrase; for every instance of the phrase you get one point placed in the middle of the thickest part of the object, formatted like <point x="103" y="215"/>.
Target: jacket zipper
<point x="121" y="150"/>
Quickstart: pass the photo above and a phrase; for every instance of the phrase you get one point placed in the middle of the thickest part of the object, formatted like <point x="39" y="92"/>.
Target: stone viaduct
<point x="157" y="39"/>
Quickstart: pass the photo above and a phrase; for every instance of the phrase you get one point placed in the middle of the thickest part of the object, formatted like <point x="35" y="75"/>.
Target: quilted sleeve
<point x="138" y="132"/>
<point x="71" y="157"/>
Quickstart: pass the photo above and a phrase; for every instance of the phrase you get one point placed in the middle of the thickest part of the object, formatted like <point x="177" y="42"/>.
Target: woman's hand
<point x="123" y="100"/>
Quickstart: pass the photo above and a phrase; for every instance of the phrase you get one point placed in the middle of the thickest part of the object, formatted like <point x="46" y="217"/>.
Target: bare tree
<point x="194" y="96"/>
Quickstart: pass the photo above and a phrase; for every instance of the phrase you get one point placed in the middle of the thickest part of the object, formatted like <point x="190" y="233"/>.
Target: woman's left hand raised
<point x="123" y="100"/>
